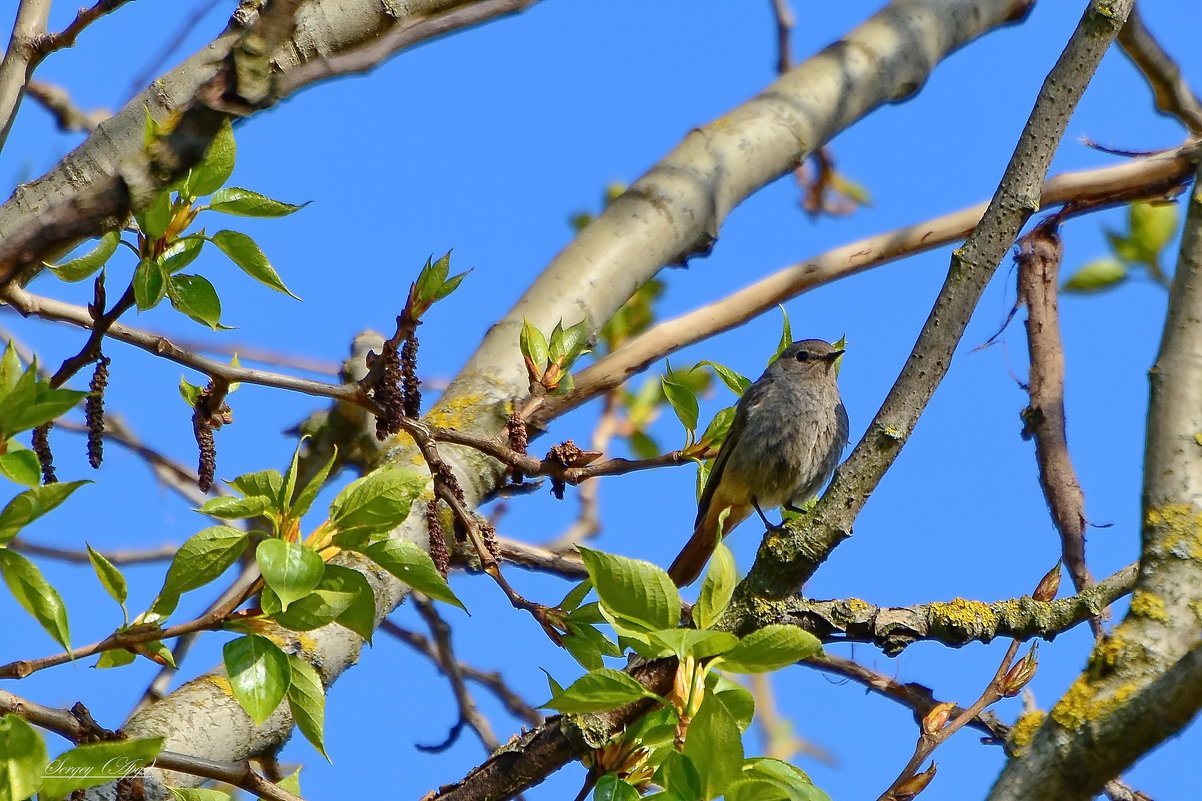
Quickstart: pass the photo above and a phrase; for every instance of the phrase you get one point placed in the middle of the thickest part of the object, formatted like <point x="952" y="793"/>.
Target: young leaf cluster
<point x="691" y="744"/>
<point x="165" y="247"/>
<point x="1150" y="228"/>
<point x="548" y="360"/>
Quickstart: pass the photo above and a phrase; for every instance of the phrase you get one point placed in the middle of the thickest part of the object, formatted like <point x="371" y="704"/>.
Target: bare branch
<point x="1039" y="257"/>
<point x="20" y="59"/>
<point x="67" y="116"/>
<point x="1171" y="93"/>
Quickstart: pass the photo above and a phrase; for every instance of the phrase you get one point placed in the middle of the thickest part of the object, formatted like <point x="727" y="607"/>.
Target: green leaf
<point x="245" y="203"/>
<point x="198" y="794"/>
<point x="450" y="285"/>
<point x="115" y="658"/>
<point x="1097" y="275"/>
<point x="307" y="700"/>
<point x="21" y="465"/>
<point x="644" y="447"/>
<point x="413" y="566"/>
<point x="182" y="253"/>
<point x="611" y="788"/>
<point x="717" y="589"/>
<point x="110" y="577"/>
<point x="304" y="499"/>
<point x="194" y="296"/>
<point x="10" y="368"/>
<point x="90" y="262"/>
<point x="773" y="647"/>
<point x="678" y="775"/>
<point x="259" y="674"/>
<point x="244" y="252"/>
<point x="682" y="401"/>
<point x="715" y="747"/>
<point x="227" y="507"/>
<point x="792" y="781"/>
<point x="696" y="643"/>
<point x="636" y="593"/>
<point x="1152" y="228"/>
<point x="203" y="557"/>
<point x="715" y="433"/>
<point x="189" y="392"/>
<point x="318" y="608"/>
<point x="735" y="382"/>
<point x="97" y="763"/>
<point x="291" y="783"/>
<point x="786" y="335"/>
<point x="737" y="699"/>
<point x="22" y="759"/>
<point x="30" y="402"/>
<point x="598" y="691"/>
<point x="154" y="218"/>
<point x="360" y="615"/>
<point x="214" y="169"/>
<point x="37" y="597"/>
<point x="567" y="344"/>
<point x="534" y="346"/>
<point x="587" y="645"/>
<point x="265" y="482"/>
<point x="291" y="569"/>
<point x="150" y="285"/>
<point x="32" y="504"/>
<point x="575" y="596"/>
<point x="378" y="502"/>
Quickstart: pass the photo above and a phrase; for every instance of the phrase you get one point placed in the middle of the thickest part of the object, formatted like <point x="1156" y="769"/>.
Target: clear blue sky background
<point x="486" y="142"/>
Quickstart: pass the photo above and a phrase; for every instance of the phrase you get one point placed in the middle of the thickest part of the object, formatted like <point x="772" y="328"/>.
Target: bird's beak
<point x="835" y="354"/>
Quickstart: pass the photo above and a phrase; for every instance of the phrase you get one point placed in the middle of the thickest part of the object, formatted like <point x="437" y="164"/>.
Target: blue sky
<point x="486" y="143"/>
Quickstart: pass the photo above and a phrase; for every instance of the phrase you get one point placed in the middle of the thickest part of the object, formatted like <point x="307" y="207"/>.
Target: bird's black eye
<point x="802" y="356"/>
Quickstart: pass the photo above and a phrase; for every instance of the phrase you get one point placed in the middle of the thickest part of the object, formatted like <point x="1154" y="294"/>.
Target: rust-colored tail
<point x="696" y="552"/>
<point x="692" y="558"/>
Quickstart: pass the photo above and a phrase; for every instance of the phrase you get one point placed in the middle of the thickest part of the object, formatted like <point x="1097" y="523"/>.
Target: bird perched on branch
<point x="786" y="438"/>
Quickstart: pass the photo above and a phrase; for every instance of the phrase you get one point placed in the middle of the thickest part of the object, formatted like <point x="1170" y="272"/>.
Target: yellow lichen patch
<point x="962" y="613"/>
<point x="1196" y="608"/>
<point x="1083" y="704"/>
<point x="459" y="412"/>
<point x="1148" y="605"/>
<point x="305" y="640"/>
<point x="855" y="606"/>
<point x="1176" y="525"/>
<point x="220" y="682"/>
<point x="1024" y="729"/>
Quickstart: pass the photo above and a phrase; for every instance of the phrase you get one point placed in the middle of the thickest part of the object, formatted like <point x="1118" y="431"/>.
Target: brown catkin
<point x="409" y="381"/>
<point x="388" y="394"/>
<point x="438" y="542"/>
<point x="41" y="446"/>
<point x="94" y="411"/>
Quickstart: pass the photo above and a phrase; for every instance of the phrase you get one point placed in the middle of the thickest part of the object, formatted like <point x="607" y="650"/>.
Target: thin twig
<point x="469" y="713"/>
<point x="785" y="19"/>
<point x="492" y="681"/>
<point x="1170" y="91"/>
<point x="68" y="117"/>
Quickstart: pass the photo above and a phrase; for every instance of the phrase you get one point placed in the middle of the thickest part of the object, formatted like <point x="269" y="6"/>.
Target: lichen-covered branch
<point x="954" y="623"/>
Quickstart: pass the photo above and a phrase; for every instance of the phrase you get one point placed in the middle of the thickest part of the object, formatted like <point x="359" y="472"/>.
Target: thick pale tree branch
<point x="788" y="557"/>
<point x="1143" y="682"/>
<point x="1151" y="176"/>
<point x="20" y="59"/>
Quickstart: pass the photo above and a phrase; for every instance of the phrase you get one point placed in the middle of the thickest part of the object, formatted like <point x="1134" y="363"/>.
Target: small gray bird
<point x="789" y="431"/>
